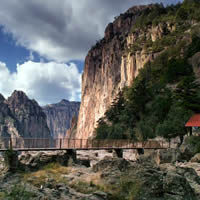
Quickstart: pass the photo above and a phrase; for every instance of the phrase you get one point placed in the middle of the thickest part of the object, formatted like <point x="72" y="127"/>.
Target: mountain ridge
<point x="22" y="117"/>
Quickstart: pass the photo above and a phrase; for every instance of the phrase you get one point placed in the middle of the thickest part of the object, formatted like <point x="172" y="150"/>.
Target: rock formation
<point x="71" y="132"/>
<point x="59" y="116"/>
<point x="109" y="66"/>
<point x="110" y="178"/>
<point x="22" y="117"/>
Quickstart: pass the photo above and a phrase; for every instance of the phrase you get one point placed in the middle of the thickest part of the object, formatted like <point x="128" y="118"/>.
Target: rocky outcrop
<point x="113" y="63"/>
<point x="110" y="178"/>
<point x="145" y="180"/>
<point x="37" y="160"/>
<point x="59" y="116"/>
<point x="8" y="123"/>
<point x="71" y="132"/>
<point x="22" y="117"/>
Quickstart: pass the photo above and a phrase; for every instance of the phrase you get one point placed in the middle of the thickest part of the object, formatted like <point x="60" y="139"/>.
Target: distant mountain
<point x="22" y="117"/>
<point x="59" y="116"/>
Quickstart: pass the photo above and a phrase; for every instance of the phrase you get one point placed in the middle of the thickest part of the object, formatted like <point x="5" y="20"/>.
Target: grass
<point x="84" y="187"/>
<point x="127" y="188"/>
<point x="2" y="195"/>
<point x="53" y="171"/>
<point x="17" y="192"/>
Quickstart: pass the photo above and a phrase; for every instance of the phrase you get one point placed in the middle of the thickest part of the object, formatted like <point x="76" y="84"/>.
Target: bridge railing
<point x="65" y="143"/>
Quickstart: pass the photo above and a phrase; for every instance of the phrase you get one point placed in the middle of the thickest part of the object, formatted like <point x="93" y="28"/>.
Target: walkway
<point x="49" y="144"/>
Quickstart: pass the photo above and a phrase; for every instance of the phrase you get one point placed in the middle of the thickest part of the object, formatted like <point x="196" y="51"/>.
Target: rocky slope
<point x="109" y="65"/>
<point x="110" y="178"/>
<point x="22" y="117"/>
<point x="59" y="116"/>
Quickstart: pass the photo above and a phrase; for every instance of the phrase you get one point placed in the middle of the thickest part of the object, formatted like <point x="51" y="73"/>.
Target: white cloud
<point x="61" y="30"/>
<point x="45" y="82"/>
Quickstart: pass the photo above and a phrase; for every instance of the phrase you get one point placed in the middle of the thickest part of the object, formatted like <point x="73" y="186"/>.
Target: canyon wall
<point x="110" y="65"/>
<point x="59" y="116"/>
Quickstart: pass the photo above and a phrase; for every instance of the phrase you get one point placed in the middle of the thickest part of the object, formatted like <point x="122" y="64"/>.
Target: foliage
<point x="174" y="124"/>
<point x="165" y="93"/>
<point x="149" y="15"/>
<point x="195" y="45"/>
<point x="50" y="171"/>
<point x="188" y="10"/>
<point x="187" y="94"/>
<point x="176" y="69"/>
<point x="127" y="189"/>
<point x="85" y="187"/>
<point x="194" y="142"/>
<point x="11" y="159"/>
<point x="18" y="192"/>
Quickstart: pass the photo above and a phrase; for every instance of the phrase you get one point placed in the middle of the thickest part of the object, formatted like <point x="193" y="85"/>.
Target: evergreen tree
<point x="187" y="94"/>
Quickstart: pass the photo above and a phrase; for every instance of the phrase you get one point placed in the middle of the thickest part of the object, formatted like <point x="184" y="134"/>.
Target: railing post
<point x="11" y="146"/>
<point x="60" y="143"/>
<point x="68" y="143"/>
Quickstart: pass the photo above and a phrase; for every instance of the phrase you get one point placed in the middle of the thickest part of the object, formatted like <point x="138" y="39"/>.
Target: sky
<point x="43" y="43"/>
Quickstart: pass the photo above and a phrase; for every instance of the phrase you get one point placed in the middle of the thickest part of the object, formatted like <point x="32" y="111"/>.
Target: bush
<point x="176" y="69"/>
<point x="194" y="143"/>
<point x="128" y="189"/>
<point x="85" y="187"/>
<point x="182" y="14"/>
<point x="18" y="192"/>
<point x="11" y="159"/>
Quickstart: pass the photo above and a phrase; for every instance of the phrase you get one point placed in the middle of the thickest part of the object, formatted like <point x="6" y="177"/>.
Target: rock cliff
<point x="113" y="63"/>
<point x="59" y="116"/>
<point x="22" y="117"/>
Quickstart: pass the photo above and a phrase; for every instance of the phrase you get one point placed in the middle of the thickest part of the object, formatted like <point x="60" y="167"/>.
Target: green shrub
<point x="11" y="159"/>
<point x="194" y="143"/>
<point x="128" y="189"/>
<point x="84" y="187"/>
<point x="18" y="192"/>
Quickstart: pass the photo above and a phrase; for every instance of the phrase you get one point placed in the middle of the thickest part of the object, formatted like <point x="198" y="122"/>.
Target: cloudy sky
<point x="43" y="43"/>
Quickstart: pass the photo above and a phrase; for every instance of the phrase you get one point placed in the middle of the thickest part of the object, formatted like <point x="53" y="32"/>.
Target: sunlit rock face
<point x="109" y="66"/>
<point x="59" y="116"/>
<point x="22" y="117"/>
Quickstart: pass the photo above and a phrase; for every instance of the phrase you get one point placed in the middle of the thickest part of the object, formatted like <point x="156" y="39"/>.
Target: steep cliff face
<point x="8" y="123"/>
<point x="59" y="116"/>
<point x="22" y="117"/>
<point x="113" y="63"/>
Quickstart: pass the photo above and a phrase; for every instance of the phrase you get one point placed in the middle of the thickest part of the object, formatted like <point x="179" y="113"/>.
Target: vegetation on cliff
<point x="166" y="92"/>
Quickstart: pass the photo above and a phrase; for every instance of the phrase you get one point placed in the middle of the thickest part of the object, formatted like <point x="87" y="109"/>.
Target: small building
<point x="193" y="123"/>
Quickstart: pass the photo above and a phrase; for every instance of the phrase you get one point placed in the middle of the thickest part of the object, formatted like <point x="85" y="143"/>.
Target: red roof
<point x="194" y="121"/>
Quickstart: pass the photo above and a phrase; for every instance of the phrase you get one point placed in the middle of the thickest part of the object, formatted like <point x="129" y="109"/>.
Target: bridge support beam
<point x="11" y="160"/>
<point x="118" y="153"/>
<point x="72" y="156"/>
<point x="140" y="151"/>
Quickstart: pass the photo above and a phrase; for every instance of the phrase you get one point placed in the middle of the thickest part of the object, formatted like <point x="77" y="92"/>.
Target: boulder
<point x="111" y="163"/>
<point x="34" y="161"/>
<point x="186" y="152"/>
<point x="167" y="156"/>
<point x="196" y="158"/>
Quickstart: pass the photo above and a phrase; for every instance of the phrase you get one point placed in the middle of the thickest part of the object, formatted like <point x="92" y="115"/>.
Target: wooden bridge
<point x="50" y="144"/>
